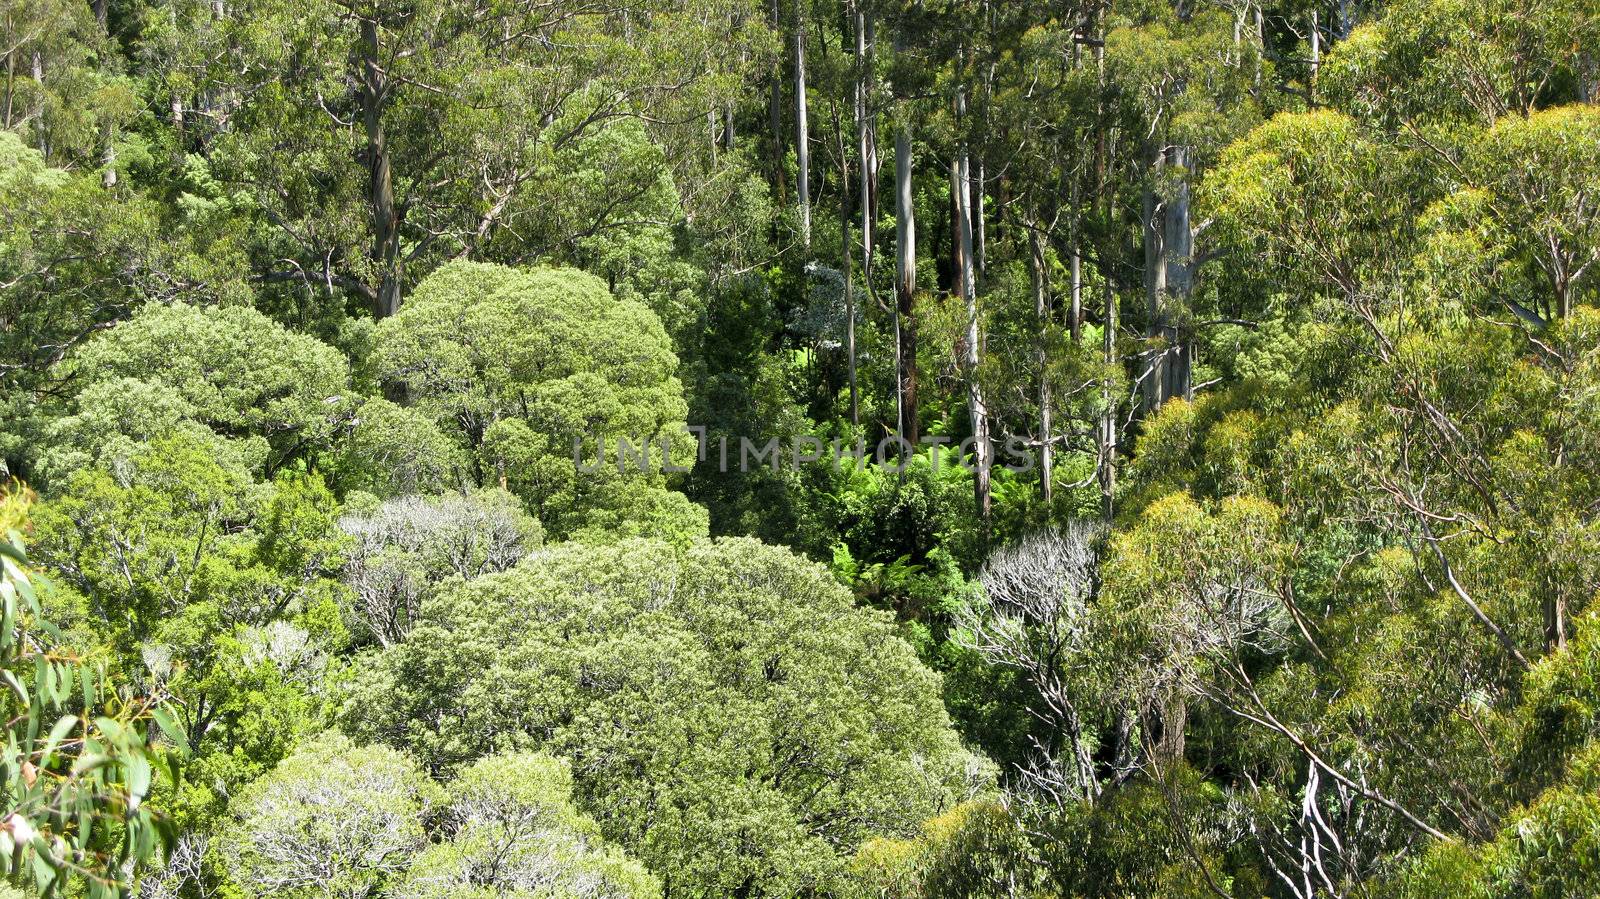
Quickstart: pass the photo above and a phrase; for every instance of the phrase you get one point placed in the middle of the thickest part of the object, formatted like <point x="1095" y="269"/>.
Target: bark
<point x="874" y="163"/>
<point x="38" y="78"/>
<point x="1041" y="306"/>
<point x="11" y="78"/>
<point x="1169" y="720"/>
<point x="1075" y="314"/>
<point x="108" y="161"/>
<point x="802" y="131"/>
<point x="849" y="287"/>
<point x="982" y="256"/>
<point x="1168" y="280"/>
<point x="905" y="282"/>
<point x="178" y="126"/>
<point x="1316" y="56"/>
<point x="977" y="408"/>
<point x="1179" y="246"/>
<point x="864" y="142"/>
<point x="385" y="212"/>
<point x="1107" y="455"/>
<point x="775" y="110"/>
<point x="1555" y="621"/>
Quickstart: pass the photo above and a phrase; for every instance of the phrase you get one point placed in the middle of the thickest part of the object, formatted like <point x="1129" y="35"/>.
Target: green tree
<point x="256" y="393"/>
<point x="731" y="718"/>
<point x="511" y="831"/>
<point x="331" y="820"/>
<point x="82" y="755"/>
<point x="536" y="371"/>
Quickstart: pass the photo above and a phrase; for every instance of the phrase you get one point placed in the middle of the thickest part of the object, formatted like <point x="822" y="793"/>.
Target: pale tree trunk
<point x="1316" y="56"/>
<point x="775" y="109"/>
<point x="802" y="131"/>
<point x="864" y="150"/>
<point x="847" y="267"/>
<point x="1076" y="312"/>
<point x="1041" y="307"/>
<point x="178" y="127"/>
<point x="1153" y="377"/>
<point x="1179" y="247"/>
<point x="1261" y="43"/>
<point x="1169" y="279"/>
<point x="874" y="163"/>
<point x="982" y="257"/>
<point x="108" y="161"/>
<point x="38" y="79"/>
<point x="905" y="227"/>
<point x="864" y="142"/>
<point x="1108" y="416"/>
<point x="977" y="408"/>
<point x="385" y="212"/>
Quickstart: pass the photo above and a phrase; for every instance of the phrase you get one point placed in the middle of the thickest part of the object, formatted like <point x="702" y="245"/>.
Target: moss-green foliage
<point x="81" y="760"/>
<point x="511" y="831"/>
<point x="731" y="718"/>
<point x="207" y="586"/>
<point x="531" y="370"/>
<point x="254" y="392"/>
<point x="336" y="819"/>
<point x="320" y="325"/>
<point x="333" y="819"/>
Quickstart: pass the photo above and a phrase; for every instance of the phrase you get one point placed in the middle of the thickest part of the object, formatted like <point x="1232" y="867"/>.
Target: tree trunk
<point x="982" y="257"/>
<point x="1153" y="377"/>
<point x="775" y="111"/>
<point x="905" y="226"/>
<point x="38" y="79"/>
<point x="1316" y="57"/>
<point x="1554" y="609"/>
<point x="1107" y="454"/>
<point x="1169" y="279"/>
<point x="847" y="268"/>
<point x="1179" y="247"/>
<point x="180" y="143"/>
<point x="864" y="143"/>
<point x="108" y="161"/>
<point x="802" y="131"/>
<point x="385" y="213"/>
<point x="1169" y="719"/>
<point x="1041" y="308"/>
<point x="1076" y="313"/>
<point x="966" y="281"/>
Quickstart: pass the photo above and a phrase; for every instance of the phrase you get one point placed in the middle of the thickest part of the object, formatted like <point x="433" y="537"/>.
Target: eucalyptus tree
<point x="558" y="391"/>
<point x="714" y="729"/>
<point x="373" y="135"/>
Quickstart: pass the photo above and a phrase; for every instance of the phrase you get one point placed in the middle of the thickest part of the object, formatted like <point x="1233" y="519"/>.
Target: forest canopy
<point x="838" y="449"/>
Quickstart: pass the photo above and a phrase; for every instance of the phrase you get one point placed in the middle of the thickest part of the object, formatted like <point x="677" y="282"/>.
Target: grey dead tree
<point x="405" y="546"/>
<point x="1035" y="616"/>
